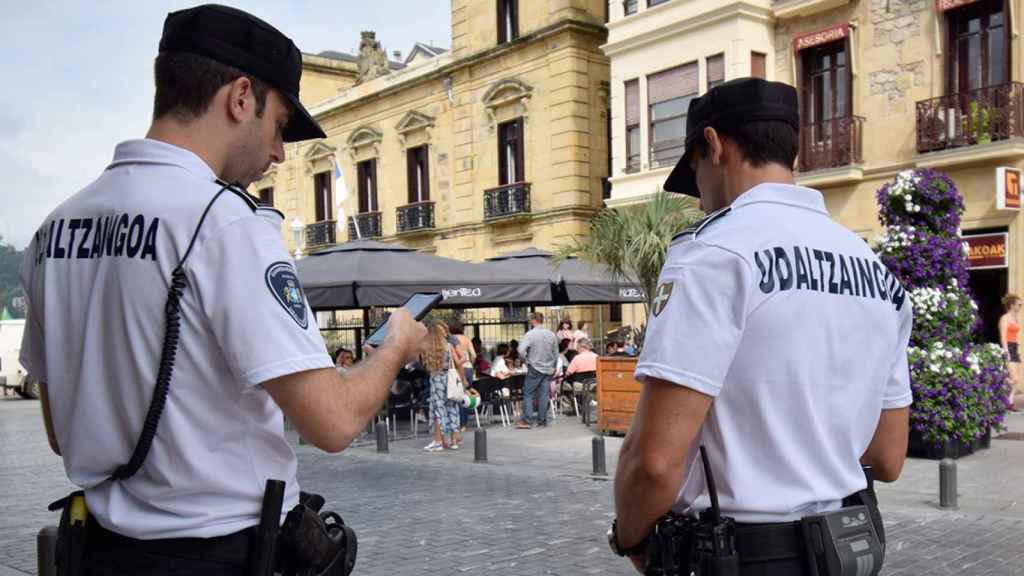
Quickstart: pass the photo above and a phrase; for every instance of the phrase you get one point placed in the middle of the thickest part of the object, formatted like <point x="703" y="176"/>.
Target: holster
<point x="71" y="533"/>
<point x="314" y="543"/>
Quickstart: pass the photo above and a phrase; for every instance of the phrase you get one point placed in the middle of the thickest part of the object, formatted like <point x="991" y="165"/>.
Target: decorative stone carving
<point x="373" y="61"/>
<point x="316" y="155"/>
<point x="509" y="91"/>
<point x="412" y="122"/>
<point x="364" y="136"/>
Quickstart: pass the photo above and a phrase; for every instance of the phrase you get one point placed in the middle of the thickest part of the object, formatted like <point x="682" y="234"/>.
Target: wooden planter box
<point x="617" y="394"/>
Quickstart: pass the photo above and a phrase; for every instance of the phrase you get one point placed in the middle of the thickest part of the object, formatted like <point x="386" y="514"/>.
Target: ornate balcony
<point x="833" y="143"/>
<point x="506" y="201"/>
<point x="369" y="226"/>
<point x="415" y="216"/>
<point x="976" y="117"/>
<point x="320" y="234"/>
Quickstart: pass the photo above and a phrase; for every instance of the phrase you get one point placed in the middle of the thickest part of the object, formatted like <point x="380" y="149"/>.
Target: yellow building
<point x="885" y="86"/>
<point x="496" y="145"/>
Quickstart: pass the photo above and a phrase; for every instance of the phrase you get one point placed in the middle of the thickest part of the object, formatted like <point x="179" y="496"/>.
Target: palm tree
<point x="632" y="241"/>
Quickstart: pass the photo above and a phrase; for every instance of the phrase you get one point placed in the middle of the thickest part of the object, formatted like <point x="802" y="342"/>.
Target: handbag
<point x="456" y="392"/>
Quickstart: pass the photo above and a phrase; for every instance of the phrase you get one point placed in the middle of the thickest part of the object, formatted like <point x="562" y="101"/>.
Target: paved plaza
<point x="534" y="508"/>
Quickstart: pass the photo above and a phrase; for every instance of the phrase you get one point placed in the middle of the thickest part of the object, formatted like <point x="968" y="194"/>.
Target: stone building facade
<point x="885" y="86"/>
<point x="493" y="146"/>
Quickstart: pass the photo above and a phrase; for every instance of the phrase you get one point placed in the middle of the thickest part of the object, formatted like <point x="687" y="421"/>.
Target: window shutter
<point x="520" y="151"/>
<point x="632" y="102"/>
<point x="425" y="162"/>
<point x="673" y="83"/>
<point x="716" y="69"/>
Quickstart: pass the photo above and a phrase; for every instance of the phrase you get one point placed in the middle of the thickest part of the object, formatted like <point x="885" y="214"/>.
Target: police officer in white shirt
<point x="162" y="219"/>
<point x="777" y="340"/>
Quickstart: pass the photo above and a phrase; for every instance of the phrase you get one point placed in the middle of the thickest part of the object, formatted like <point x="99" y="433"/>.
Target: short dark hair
<point x="535" y="317"/>
<point x="186" y="84"/>
<point x="762" y="142"/>
<point x="563" y="344"/>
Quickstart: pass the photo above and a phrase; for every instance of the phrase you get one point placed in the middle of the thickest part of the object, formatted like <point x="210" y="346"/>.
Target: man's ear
<point x="241" y="101"/>
<point x="715" y="145"/>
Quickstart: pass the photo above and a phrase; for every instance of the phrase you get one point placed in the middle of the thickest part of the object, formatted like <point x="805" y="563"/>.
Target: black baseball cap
<point x="243" y="41"/>
<point x="729" y="105"/>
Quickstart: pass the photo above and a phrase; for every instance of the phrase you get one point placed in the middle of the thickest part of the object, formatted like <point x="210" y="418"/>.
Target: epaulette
<point x="251" y="201"/>
<point x="696" y="228"/>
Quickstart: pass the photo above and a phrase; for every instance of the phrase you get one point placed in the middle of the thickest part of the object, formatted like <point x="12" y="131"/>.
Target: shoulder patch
<point x="696" y="228"/>
<point x="286" y="289"/>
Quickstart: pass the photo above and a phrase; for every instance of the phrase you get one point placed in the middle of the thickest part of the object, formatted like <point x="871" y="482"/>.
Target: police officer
<point x="777" y="340"/>
<point x="166" y="236"/>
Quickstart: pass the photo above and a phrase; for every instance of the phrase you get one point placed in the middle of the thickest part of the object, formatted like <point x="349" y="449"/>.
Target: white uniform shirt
<point x="97" y="275"/>
<point x="798" y="331"/>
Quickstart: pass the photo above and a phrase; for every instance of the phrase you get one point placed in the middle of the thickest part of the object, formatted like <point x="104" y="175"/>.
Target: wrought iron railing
<point x="833" y="143"/>
<point x="975" y="117"/>
<point x="415" y="216"/>
<point x="507" y="200"/>
<point x="320" y="234"/>
<point x="368" y="226"/>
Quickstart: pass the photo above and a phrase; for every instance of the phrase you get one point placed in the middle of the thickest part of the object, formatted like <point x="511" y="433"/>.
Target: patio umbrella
<point x="573" y="281"/>
<point x="365" y="273"/>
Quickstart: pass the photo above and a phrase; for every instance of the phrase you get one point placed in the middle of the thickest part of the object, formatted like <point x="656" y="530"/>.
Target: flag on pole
<point x="341" y="194"/>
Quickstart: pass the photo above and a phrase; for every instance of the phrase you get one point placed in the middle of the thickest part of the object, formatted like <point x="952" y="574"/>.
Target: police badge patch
<point x="285" y="287"/>
<point x="661" y="296"/>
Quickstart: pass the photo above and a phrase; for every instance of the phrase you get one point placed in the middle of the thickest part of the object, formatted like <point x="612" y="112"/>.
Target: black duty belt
<point x="769" y="542"/>
<point x="230" y="549"/>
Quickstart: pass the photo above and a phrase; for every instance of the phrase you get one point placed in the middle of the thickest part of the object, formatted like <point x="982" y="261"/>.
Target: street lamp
<point x="297" y="228"/>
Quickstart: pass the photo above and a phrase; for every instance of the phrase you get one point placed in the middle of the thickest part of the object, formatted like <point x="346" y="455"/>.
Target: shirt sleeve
<point x="698" y="317"/>
<point x="33" y="351"/>
<point x="255" y="304"/>
<point x="897" y="388"/>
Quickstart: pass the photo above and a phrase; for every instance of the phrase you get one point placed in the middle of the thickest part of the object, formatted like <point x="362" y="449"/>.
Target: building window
<point x="668" y="96"/>
<point x="758" y="65"/>
<point x="979" y="53"/>
<point x="419" y="174"/>
<point x="632" y="126"/>
<point x="826" y="83"/>
<point x="716" y="70"/>
<point x="653" y="3"/>
<point x="508" y="20"/>
<point x="367" y="174"/>
<point x="266" y="196"/>
<point x="510" y="153"/>
<point x="322" y="196"/>
<point x="629" y="7"/>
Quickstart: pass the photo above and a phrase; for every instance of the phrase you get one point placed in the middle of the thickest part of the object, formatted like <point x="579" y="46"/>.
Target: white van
<point x="12" y="374"/>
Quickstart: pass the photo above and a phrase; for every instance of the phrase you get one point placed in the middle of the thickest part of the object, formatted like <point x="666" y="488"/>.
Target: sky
<point x="77" y="79"/>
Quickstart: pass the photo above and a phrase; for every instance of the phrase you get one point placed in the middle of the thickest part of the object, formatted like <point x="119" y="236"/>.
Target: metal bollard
<point x="46" y="551"/>
<point x="382" y="437"/>
<point x="947" y="483"/>
<point x="302" y="441"/>
<point x="598" y="449"/>
<point x="480" y="445"/>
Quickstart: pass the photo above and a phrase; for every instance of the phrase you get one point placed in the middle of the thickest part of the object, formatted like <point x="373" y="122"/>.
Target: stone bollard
<point x="382" y="437"/>
<point x="599" y="461"/>
<point x="947" y="483"/>
<point x="46" y="551"/>
<point x="480" y="445"/>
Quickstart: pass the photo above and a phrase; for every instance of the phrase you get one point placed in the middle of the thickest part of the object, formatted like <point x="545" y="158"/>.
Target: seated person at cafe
<point x="500" y="368"/>
<point x="583" y="365"/>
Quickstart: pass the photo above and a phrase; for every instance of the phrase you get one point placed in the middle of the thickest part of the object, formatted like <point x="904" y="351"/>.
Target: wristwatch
<point x="635" y="550"/>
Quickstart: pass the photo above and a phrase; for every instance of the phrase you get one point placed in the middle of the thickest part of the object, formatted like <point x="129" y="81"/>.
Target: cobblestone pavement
<point x="534" y="508"/>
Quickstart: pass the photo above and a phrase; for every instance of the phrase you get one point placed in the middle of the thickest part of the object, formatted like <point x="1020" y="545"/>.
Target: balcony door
<point x="367" y="174"/>
<point x="978" y="55"/>
<point x="826" y="88"/>
<point x="322" y="196"/>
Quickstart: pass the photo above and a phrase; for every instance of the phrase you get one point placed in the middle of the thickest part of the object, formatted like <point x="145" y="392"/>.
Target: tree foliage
<point x="10" y="283"/>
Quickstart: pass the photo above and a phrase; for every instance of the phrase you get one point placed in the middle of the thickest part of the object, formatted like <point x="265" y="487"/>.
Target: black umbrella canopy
<point x="366" y="273"/>
<point x="574" y="281"/>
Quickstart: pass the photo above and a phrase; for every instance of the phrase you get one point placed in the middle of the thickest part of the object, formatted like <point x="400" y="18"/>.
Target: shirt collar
<point x="788" y="194"/>
<point x="148" y="151"/>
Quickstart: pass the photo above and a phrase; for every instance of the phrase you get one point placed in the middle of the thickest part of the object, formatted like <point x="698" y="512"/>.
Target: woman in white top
<point x="499" y="368"/>
<point x="579" y="334"/>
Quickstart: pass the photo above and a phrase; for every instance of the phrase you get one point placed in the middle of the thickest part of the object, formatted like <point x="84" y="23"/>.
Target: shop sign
<point x="986" y="251"/>
<point x="819" y="37"/>
<point x="1008" y="188"/>
<point x="943" y="5"/>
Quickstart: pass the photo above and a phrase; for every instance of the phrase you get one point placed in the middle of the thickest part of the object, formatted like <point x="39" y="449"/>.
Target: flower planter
<point x="918" y="448"/>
